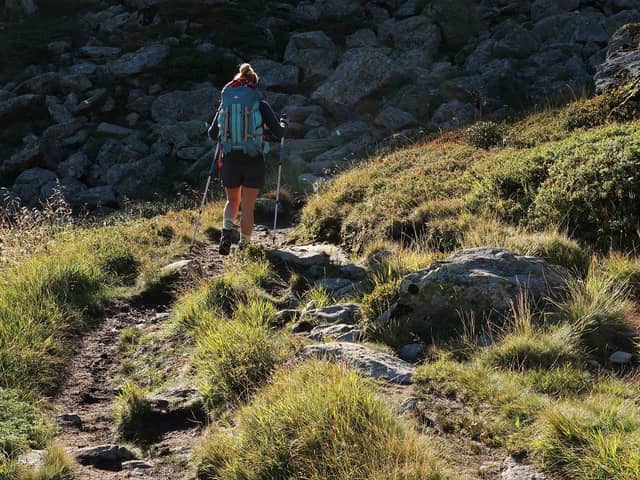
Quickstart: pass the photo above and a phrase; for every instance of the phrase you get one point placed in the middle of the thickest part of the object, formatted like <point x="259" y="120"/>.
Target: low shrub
<point x="484" y="135"/>
<point x="319" y="421"/>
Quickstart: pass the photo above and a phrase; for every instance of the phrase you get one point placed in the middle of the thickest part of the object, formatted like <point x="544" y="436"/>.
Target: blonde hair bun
<point x="246" y="71"/>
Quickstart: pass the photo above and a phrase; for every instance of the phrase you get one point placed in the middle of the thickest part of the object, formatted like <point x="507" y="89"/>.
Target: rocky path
<point x="85" y="403"/>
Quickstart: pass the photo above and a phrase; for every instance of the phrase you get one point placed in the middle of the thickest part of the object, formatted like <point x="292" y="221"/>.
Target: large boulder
<point x="456" y="19"/>
<point x="180" y="105"/>
<point x="453" y="114"/>
<point x="145" y="59"/>
<point x="29" y="184"/>
<point x="22" y="108"/>
<point x="481" y="282"/>
<point x="276" y="75"/>
<point x="622" y="64"/>
<point x="414" y="32"/>
<point x="362" y="72"/>
<point x="314" y="52"/>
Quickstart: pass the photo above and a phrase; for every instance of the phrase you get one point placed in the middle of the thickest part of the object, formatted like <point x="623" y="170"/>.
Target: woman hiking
<point x="239" y="128"/>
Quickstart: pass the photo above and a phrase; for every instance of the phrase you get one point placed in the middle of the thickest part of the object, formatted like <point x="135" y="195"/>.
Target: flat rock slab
<point x="177" y="402"/>
<point x="107" y="457"/>
<point x="367" y="361"/>
<point x="341" y="332"/>
<point x="176" y="266"/>
<point x="514" y="470"/>
<point x="348" y="313"/>
<point x="310" y="255"/>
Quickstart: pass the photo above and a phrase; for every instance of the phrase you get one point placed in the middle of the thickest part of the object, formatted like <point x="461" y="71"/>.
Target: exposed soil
<point x="90" y="389"/>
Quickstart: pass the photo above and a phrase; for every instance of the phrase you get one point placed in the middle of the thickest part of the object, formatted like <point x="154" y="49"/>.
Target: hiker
<point x="239" y="127"/>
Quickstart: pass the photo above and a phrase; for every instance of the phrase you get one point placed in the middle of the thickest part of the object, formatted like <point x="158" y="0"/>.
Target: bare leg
<point x="233" y="203"/>
<point x="249" y="196"/>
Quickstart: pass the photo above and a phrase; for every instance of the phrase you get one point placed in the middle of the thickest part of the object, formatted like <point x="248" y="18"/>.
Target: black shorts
<point x="241" y="170"/>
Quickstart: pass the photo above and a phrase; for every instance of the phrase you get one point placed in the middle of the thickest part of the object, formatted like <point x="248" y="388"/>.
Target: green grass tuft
<point x="319" y="421"/>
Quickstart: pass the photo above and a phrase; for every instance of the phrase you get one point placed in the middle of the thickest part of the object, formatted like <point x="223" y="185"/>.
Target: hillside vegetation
<point x="560" y="184"/>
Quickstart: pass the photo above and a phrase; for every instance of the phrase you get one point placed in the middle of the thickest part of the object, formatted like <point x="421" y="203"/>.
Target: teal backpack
<point x="240" y="121"/>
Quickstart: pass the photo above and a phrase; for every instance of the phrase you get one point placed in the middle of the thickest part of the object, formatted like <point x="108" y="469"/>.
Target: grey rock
<point x="103" y="456"/>
<point x="362" y="72"/>
<point x="276" y="75"/>
<point x="76" y="166"/>
<point x="309" y="255"/>
<point x="180" y="402"/>
<point x="112" y="130"/>
<point x="340" y="332"/>
<point x="300" y="114"/>
<point x="409" y="405"/>
<point x="84" y="68"/>
<point x="457" y="21"/>
<point x="58" y="47"/>
<point x="333" y="284"/>
<point x="365" y="360"/>
<point x="95" y="100"/>
<point x="407" y="9"/>
<point x="518" y="43"/>
<point x="362" y="38"/>
<point x="480" y="281"/>
<point x="46" y="83"/>
<point x="136" y="465"/>
<point x="622" y="64"/>
<point x="145" y="59"/>
<point x="70" y="420"/>
<point x="454" y="114"/>
<point x="348" y="313"/>
<point x="514" y="470"/>
<point x="546" y="8"/>
<point x="314" y="52"/>
<point x="183" y="105"/>
<point x="100" y="54"/>
<point x="21" y="107"/>
<point x="621" y="358"/>
<point x="33" y="458"/>
<point x="102" y="196"/>
<point x="302" y="326"/>
<point x="28" y="157"/>
<point x="393" y="119"/>
<point x="28" y="184"/>
<point x="414" y="32"/>
<point x="75" y="83"/>
<point x="412" y="352"/>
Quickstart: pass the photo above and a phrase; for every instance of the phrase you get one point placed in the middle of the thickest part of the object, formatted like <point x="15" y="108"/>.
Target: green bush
<point x="593" y="190"/>
<point x="484" y="135"/>
<point x="319" y="421"/>
<point x="23" y="425"/>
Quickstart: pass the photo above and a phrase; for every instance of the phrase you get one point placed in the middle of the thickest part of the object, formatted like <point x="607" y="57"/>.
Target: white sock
<point x="227" y="223"/>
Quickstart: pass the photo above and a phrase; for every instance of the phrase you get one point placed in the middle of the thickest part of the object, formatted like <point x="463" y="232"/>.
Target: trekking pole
<point x="275" y="219"/>
<point x="212" y="170"/>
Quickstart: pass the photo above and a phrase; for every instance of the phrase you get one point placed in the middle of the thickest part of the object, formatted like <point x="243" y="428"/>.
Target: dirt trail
<point x="90" y="390"/>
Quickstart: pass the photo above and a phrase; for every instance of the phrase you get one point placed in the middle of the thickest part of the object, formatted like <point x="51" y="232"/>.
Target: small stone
<point x="514" y="470"/>
<point x="407" y="406"/>
<point x="70" y="420"/>
<point x="33" y="458"/>
<point x="136" y="464"/>
<point x="302" y="326"/>
<point x="175" y="266"/>
<point x="621" y="358"/>
<point x="349" y="314"/>
<point x="104" y="456"/>
<point x="412" y="352"/>
<point x="113" y="130"/>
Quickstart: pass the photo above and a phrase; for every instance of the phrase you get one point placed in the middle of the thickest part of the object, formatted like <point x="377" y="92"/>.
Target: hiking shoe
<point x="225" y="242"/>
